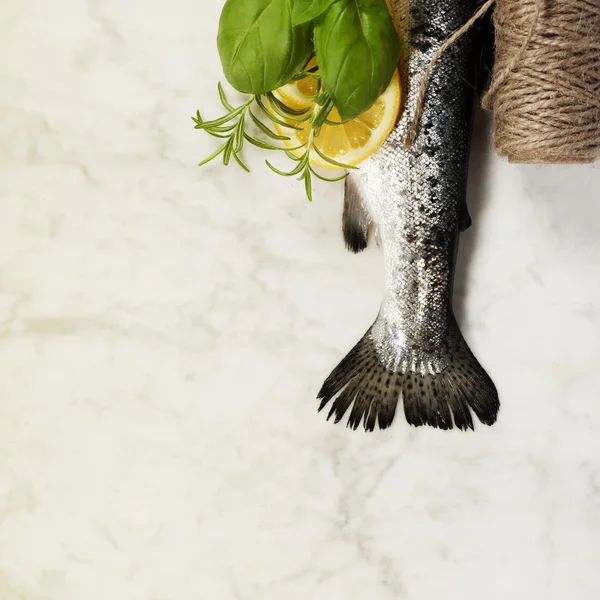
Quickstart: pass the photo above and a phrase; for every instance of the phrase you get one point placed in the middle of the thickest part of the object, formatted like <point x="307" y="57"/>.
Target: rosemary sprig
<point x="305" y="170"/>
<point x="232" y="129"/>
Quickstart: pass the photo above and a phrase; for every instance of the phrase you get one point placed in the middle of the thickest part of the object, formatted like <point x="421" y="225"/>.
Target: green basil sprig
<point x="357" y="50"/>
<point x="308" y="10"/>
<point x="260" y="49"/>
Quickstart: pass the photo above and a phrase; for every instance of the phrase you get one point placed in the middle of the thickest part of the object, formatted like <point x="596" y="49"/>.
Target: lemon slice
<point x="349" y="143"/>
<point x="299" y="94"/>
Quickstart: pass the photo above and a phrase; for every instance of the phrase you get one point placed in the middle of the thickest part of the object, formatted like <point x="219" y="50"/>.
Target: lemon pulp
<point x="350" y="142"/>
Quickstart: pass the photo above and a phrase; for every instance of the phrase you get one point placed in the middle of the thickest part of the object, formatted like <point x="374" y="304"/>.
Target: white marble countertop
<point x="164" y="331"/>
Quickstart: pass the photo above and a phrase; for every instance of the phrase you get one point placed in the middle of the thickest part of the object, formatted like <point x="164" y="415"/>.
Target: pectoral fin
<point x="356" y="219"/>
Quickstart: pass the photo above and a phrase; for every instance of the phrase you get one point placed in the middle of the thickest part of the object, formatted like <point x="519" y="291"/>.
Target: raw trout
<point x="416" y="197"/>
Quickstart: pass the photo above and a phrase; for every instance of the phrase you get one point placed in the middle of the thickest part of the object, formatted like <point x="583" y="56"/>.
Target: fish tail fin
<point x="356" y="219"/>
<point x="444" y="400"/>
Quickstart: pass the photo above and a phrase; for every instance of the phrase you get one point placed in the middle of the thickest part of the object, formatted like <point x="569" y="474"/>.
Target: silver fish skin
<point x="416" y="197"/>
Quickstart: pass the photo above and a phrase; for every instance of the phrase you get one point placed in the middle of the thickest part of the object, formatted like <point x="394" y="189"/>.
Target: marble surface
<point x="164" y="331"/>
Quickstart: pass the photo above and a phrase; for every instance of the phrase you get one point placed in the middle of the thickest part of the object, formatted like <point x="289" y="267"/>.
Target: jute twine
<point x="545" y="92"/>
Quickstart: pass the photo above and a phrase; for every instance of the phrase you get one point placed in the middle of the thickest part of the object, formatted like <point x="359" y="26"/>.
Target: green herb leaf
<point x="288" y="110"/>
<point x="273" y="117"/>
<point x="328" y="179"/>
<point x="222" y="120"/>
<point x="268" y="132"/>
<point x="304" y="74"/>
<point x="358" y="50"/>
<point x="330" y="160"/>
<point x="276" y="170"/>
<point x="292" y="156"/>
<point x="322" y="116"/>
<point x="307" y="10"/>
<point x="307" y="184"/>
<point x="197" y="119"/>
<point x="260" y="143"/>
<point x="225" y="129"/>
<point x="284" y="111"/>
<point x="238" y="136"/>
<point x="260" y="49"/>
<point x="240" y="162"/>
<point x="222" y="136"/>
<point x="228" y="150"/>
<point x="223" y="98"/>
<point x="212" y="156"/>
<point x="301" y="166"/>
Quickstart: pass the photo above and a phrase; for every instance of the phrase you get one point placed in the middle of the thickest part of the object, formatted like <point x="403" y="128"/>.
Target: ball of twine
<point x="545" y="92"/>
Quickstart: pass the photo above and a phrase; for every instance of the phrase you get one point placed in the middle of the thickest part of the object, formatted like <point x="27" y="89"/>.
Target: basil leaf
<point x="260" y="49"/>
<point x="357" y="50"/>
<point x="307" y="10"/>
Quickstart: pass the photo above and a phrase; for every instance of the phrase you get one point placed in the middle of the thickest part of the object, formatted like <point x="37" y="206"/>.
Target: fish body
<point x="416" y="197"/>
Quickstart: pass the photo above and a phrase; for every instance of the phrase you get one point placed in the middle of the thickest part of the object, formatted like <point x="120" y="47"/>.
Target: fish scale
<point x="416" y="197"/>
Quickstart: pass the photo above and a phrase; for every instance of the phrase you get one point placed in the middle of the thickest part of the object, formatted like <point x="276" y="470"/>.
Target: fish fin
<point x="464" y="218"/>
<point x="444" y="401"/>
<point x="356" y="219"/>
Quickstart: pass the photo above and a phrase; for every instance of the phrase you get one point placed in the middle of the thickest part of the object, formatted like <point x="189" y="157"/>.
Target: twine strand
<point x="500" y="75"/>
<point x="414" y="127"/>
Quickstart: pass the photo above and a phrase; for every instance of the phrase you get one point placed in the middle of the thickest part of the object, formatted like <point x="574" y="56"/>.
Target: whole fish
<point x="416" y="198"/>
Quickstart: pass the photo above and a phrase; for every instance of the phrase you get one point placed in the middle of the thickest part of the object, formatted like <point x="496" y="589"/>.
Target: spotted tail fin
<point x="445" y="400"/>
